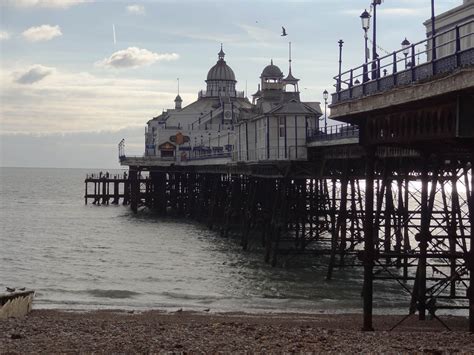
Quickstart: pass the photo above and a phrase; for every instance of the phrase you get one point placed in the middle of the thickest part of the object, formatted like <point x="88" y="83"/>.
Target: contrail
<point x="113" y="30"/>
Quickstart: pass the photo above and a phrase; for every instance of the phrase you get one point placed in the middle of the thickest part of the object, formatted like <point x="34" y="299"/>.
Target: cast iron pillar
<point x="423" y="241"/>
<point x="369" y="239"/>
<point x="134" y="189"/>
<point x="470" y="256"/>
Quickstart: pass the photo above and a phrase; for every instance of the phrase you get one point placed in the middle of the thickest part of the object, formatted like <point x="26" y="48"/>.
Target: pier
<point x="390" y="189"/>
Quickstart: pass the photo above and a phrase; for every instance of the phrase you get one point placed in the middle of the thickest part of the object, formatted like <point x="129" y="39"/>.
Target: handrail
<point x="392" y="64"/>
<point x="338" y="131"/>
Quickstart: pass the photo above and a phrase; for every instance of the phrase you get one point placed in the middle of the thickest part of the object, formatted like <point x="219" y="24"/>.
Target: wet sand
<point x="54" y="331"/>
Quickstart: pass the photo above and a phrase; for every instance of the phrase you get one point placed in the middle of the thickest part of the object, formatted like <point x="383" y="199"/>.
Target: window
<point x="282" y="130"/>
<point x="167" y="153"/>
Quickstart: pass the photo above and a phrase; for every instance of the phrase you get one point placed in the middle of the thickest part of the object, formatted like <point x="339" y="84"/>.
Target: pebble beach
<point x="55" y="331"/>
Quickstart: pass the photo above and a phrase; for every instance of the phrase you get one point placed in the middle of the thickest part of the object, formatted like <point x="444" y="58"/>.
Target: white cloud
<point x="134" y="57"/>
<point x="59" y="4"/>
<point x="81" y="101"/>
<point x="42" y="33"/>
<point x="136" y="9"/>
<point x="4" y="35"/>
<point x="33" y="74"/>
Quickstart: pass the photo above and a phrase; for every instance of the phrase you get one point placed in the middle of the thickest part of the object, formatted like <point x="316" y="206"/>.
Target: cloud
<point x="136" y="9"/>
<point x="4" y="35"/>
<point x="58" y="4"/>
<point x="134" y="57"/>
<point x="42" y="33"/>
<point x="80" y="101"/>
<point x="34" y="74"/>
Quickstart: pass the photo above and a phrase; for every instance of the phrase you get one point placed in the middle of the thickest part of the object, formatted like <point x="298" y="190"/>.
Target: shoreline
<point x="199" y="331"/>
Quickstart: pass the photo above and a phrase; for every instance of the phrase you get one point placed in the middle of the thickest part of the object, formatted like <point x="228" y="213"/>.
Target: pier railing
<point x="453" y="49"/>
<point x="333" y="132"/>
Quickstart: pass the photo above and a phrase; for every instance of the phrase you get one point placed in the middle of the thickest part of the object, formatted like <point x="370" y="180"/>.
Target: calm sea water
<point x="80" y="256"/>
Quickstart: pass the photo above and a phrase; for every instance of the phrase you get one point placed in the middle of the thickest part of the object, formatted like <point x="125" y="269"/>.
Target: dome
<point x="221" y="71"/>
<point x="271" y="71"/>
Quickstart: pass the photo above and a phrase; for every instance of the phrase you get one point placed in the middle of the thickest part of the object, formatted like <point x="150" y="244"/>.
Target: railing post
<point x="412" y="62"/>
<point x="350" y="83"/>
<point x="378" y="73"/>
<point x="394" y="74"/>
<point x="458" y="46"/>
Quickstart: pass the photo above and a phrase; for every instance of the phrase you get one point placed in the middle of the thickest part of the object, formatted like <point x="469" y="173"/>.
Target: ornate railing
<point x="453" y="49"/>
<point x="333" y="132"/>
<point x="121" y="149"/>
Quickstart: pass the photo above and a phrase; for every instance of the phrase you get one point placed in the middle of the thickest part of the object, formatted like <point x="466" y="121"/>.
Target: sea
<point x="84" y="257"/>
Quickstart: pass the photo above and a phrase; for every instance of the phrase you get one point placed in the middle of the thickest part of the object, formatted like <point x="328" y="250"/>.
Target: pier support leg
<point x="134" y="189"/>
<point x="470" y="255"/>
<point x="423" y="241"/>
<point x="369" y="240"/>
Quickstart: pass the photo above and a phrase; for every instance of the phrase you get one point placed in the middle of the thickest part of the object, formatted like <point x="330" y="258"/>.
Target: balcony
<point x="409" y="65"/>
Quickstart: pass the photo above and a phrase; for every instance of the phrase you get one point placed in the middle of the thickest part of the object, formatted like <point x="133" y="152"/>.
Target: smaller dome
<point x="271" y="71"/>
<point x="178" y="98"/>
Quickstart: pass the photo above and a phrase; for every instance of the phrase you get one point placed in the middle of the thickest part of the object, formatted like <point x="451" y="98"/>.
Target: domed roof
<point x="221" y="71"/>
<point x="271" y="71"/>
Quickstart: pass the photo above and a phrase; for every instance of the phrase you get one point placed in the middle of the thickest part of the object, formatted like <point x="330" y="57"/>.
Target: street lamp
<point x="365" y="18"/>
<point x="374" y="39"/>
<point x="325" y="96"/>
<point x="406" y="49"/>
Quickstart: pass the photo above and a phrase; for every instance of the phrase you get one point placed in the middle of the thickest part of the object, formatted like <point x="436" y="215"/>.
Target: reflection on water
<point x="79" y="256"/>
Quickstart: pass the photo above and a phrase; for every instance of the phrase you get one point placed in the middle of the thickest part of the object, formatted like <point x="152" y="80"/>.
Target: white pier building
<point x="223" y="126"/>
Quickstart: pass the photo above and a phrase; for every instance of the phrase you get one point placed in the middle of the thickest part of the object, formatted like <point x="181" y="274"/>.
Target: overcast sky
<point x="69" y="90"/>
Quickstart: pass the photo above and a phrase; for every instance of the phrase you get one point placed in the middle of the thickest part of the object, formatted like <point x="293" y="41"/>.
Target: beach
<point x="55" y="331"/>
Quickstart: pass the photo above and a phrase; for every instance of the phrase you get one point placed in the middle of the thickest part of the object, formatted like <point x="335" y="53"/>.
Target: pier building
<point x="389" y="189"/>
<point x="222" y="124"/>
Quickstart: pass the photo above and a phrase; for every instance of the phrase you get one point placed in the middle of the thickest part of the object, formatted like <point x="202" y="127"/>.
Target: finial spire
<point x="271" y="61"/>
<point x="289" y="60"/>
<point x="178" y="85"/>
<point x="221" y="54"/>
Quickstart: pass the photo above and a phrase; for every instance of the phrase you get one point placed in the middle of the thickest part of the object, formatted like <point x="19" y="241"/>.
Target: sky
<point x="77" y="76"/>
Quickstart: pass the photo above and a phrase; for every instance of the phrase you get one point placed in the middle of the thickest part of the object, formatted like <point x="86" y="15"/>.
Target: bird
<point x="9" y="289"/>
<point x="283" y="31"/>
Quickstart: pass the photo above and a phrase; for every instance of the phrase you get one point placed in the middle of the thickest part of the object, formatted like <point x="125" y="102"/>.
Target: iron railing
<point x="333" y="132"/>
<point x="453" y="49"/>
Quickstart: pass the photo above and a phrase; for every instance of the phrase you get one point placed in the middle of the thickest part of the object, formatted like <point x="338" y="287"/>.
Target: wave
<point x="112" y="293"/>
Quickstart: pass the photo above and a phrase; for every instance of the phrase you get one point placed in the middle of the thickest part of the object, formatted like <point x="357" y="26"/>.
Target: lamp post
<point x="325" y="96"/>
<point x="406" y="49"/>
<point x="365" y="18"/>
<point x="341" y="42"/>
<point x="374" y="39"/>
